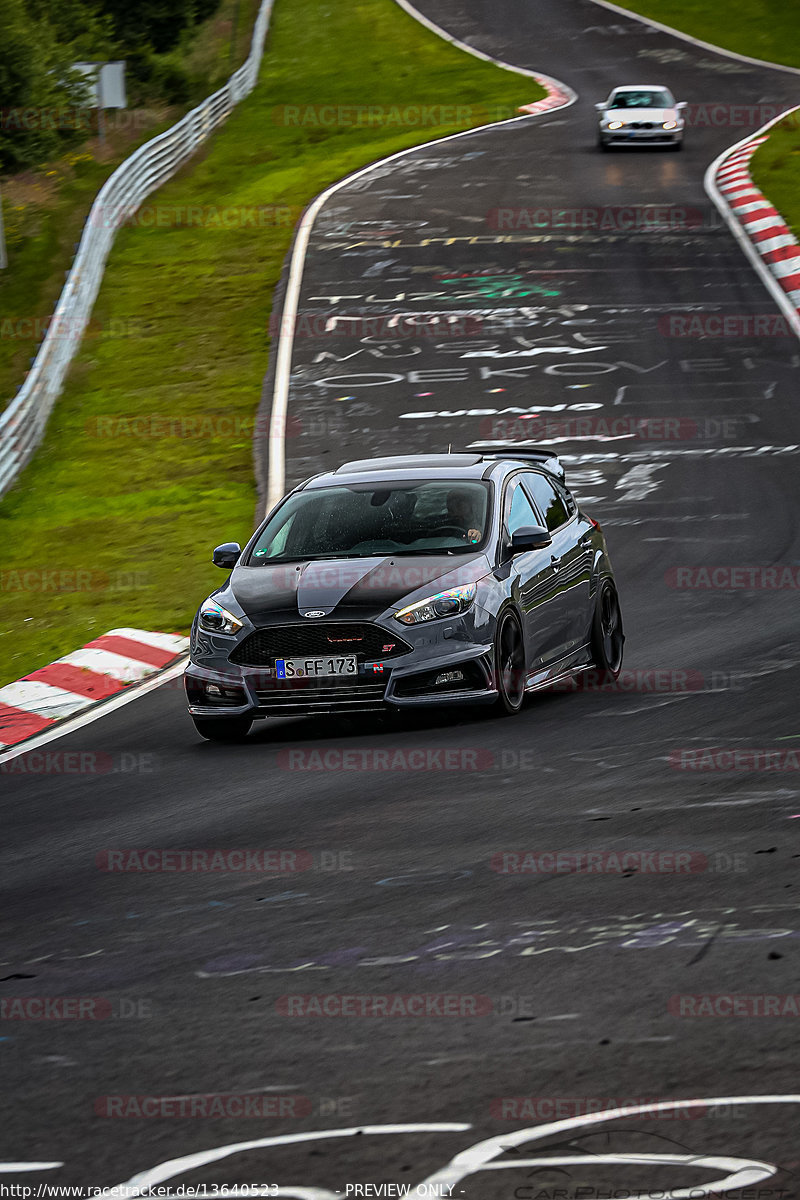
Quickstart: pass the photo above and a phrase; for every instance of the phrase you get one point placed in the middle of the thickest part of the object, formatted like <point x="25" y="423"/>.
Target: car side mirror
<point x="600" y="107"/>
<point x="227" y="555"/>
<point x="530" y="537"/>
<point x="681" y="105"/>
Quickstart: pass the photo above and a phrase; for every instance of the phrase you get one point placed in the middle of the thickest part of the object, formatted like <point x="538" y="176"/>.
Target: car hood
<point x="657" y="115"/>
<point x="346" y="587"/>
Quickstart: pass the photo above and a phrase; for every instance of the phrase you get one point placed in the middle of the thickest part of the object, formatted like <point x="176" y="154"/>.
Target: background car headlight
<point x="443" y="604"/>
<point x="615" y="124"/>
<point x="670" y="125"/>
<point x="213" y="618"/>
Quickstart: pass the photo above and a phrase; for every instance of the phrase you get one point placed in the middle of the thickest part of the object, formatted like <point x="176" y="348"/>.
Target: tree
<point x="39" y="92"/>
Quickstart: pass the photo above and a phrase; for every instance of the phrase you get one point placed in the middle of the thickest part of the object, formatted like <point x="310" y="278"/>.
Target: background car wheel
<point x="601" y="145"/>
<point x="509" y="665"/>
<point x="607" y="634"/>
<point x="678" y="145"/>
<point x="222" y="729"/>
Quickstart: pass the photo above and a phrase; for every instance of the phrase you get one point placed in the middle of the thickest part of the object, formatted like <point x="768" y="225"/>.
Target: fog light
<point x="218" y="694"/>
<point x="449" y="677"/>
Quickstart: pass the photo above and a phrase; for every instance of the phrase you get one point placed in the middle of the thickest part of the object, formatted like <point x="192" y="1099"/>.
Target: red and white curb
<point x="557" y="97"/>
<point x="758" y="226"/>
<point x="98" y="671"/>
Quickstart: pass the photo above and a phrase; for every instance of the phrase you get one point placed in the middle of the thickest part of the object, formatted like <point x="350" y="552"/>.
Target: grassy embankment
<point x="765" y="29"/>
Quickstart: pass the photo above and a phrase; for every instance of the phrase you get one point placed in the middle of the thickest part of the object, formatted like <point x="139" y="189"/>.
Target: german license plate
<point x="316" y="668"/>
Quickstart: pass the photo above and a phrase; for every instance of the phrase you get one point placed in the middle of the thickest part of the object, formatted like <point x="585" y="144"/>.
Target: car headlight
<point x="670" y="125"/>
<point x="213" y="618"/>
<point x="615" y="124"/>
<point x="444" y="604"/>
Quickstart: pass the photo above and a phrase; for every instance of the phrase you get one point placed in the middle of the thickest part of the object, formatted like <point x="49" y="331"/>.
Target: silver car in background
<point x="641" y="115"/>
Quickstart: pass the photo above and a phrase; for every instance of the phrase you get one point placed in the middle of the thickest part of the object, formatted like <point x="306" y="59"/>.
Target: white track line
<point x="280" y="395"/>
<point x="687" y="37"/>
<point x="729" y="212"/>
<point x="200" y="1158"/>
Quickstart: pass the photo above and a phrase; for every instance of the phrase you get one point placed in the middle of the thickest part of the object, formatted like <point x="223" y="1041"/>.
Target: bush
<point x="39" y="91"/>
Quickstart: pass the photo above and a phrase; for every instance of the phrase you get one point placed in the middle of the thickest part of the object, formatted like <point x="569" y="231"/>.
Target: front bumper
<point x="439" y="672"/>
<point x="641" y="137"/>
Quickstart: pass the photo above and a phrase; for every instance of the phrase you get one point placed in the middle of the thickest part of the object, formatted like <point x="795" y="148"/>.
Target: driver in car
<point x="461" y="514"/>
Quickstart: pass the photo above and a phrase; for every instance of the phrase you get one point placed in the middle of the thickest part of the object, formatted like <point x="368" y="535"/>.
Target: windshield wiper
<point x="290" y="558"/>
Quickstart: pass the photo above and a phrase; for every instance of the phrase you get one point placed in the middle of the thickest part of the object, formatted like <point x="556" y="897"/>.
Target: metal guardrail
<point x="23" y="423"/>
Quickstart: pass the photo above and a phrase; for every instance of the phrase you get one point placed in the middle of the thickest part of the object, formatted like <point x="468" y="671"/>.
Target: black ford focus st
<point x="411" y="581"/>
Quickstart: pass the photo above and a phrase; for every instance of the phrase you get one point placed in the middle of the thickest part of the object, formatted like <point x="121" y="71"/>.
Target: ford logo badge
<point x="316" y="612"/>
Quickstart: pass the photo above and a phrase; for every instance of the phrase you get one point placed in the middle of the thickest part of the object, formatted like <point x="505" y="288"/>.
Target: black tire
<point x="608" y="638"/>
<point x="223" y="729"/>
<point x="601" y="145"/>
<point x="678" y="145"/>
<point x="509" y="665"/>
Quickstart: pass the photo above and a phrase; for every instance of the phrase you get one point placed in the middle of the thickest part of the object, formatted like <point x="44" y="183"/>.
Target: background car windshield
<point x="643" y="99"/>
<point x="366" y="520"/>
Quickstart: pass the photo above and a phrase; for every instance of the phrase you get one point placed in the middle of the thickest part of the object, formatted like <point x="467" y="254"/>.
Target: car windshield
<point x="369" y="519"/>
<point x="641" y="99"/>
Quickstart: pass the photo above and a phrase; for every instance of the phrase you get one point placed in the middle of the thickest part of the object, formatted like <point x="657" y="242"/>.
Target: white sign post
<point x="106" y="82"/>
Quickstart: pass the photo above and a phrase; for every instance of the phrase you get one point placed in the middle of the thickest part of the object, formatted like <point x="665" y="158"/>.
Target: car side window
<point x="519" y="510"/>
<point x="550" y="504"/>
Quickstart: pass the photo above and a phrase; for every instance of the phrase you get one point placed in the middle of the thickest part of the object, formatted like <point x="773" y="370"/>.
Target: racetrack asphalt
<point x="401" y="895"/>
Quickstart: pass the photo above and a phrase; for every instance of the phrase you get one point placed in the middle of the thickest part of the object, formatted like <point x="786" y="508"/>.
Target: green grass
<point x="775" y="168"/>
<point x="181" y="326"/>
<point x="767" y="29"/>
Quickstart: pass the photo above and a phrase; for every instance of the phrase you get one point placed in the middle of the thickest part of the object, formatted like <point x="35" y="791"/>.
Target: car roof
<point x="480" y="464"/>
<point x="640" y="87"/>
<point x="413" y="461"/>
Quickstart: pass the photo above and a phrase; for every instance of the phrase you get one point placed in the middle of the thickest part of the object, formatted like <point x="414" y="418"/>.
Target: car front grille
<point x="323" y="695"/>
<point x="368" y="642"/>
